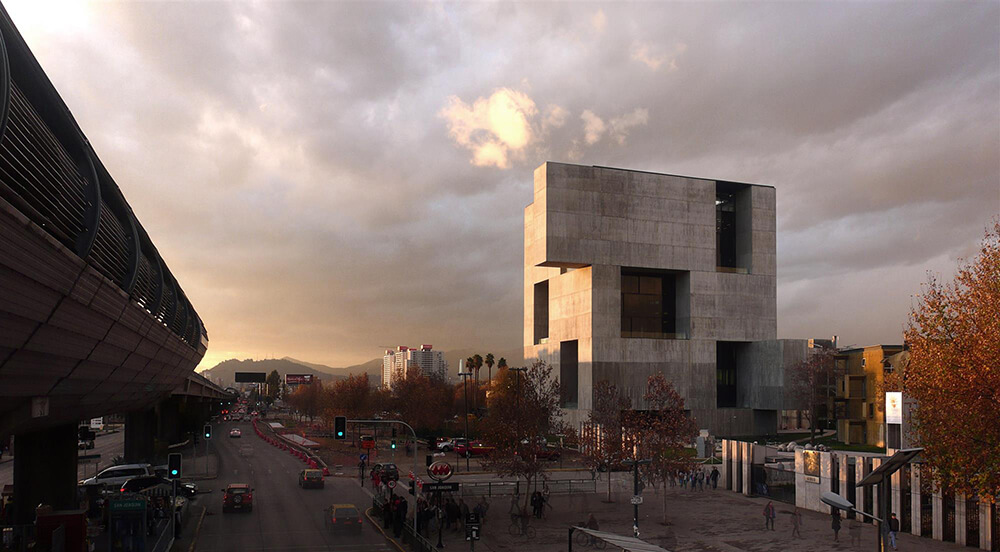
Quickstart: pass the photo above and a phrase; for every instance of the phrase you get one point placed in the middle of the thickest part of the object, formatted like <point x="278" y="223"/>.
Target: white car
<point x="115" y="476"/>
<point x="235" y="433"/>
<point x="450" y="444"/>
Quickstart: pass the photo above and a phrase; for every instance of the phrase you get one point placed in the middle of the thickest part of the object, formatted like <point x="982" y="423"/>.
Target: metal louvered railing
<point x="50" y="173"/>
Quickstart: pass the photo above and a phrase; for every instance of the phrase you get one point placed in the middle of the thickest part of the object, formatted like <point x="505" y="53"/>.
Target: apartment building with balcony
<point x="860" y="403"/>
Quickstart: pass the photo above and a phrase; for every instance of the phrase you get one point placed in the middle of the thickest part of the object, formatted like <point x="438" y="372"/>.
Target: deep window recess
<point x="568" y="374"/>
<point x="725" y="374"/>
<point x="732" y="227"/>
<point x="650" y="304"/>
<point x="541" y="312"/>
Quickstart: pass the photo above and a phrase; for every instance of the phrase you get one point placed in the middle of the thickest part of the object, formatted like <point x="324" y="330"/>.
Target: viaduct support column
<point x="140" y="430"/>
<point x="45" y="471"/>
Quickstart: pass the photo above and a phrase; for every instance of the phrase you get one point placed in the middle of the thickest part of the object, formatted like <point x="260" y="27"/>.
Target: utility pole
<point x="636" y="497"/>
<point x="465" y="385"/>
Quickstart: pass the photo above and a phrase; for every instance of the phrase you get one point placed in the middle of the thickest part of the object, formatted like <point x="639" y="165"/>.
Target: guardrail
<point x="506" y="488"/>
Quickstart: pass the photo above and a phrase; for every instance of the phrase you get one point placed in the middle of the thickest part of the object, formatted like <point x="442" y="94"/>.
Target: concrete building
<point x="404" y="359"/>
<point x="860" y="403"/>
<point x="629" y="273"/>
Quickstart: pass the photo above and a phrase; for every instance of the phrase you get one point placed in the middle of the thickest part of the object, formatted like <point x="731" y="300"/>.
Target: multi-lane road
<point x="285" y="517"/>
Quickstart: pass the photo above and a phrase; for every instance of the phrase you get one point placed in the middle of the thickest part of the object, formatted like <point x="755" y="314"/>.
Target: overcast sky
<point x="325" y="179"/>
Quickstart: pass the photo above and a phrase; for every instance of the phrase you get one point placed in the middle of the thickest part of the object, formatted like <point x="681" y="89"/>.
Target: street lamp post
<point x="635" y="501"/>
<point x="465" y="386"/>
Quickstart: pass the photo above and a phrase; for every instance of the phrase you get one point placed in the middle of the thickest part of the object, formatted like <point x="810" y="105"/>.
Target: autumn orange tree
<point x="351" y="397"/>
<point x="524" y="410"/>
<point x="661" y="433"/>
<point x="953" y="373"/>
<point x="422" y="401"/>
<point x="601" y="437"/>
<point x="308" y="399"/>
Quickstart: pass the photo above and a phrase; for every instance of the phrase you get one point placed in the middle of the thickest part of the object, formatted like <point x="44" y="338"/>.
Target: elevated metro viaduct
<point x="92" y="322"/>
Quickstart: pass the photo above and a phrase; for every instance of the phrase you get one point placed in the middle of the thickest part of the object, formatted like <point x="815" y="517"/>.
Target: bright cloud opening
<point x="491" y="127"/>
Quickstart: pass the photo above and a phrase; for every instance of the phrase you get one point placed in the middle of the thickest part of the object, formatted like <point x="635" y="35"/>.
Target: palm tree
<point x="489" y="365"/>
<point x="501" y="364"/>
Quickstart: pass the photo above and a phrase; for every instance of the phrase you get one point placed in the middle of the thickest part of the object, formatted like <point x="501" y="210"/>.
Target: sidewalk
<point x="709" y="521"/>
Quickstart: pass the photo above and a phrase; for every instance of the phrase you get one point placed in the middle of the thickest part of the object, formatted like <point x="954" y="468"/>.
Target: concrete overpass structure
<point x="92" y="321"/>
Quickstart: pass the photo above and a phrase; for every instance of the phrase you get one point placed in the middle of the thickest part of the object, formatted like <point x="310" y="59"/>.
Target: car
<point x="148" y="484"/>
<point x="238" y="496"/>
<point x="548" y="454"/>
<point x="114" y="476"/>
<point x="311" y="478"/>
<point x="386" y="471"/>
<point x="85" y="444"/>
<point x="344" y="518"/>
<point x="235" y="433"/>
<point x="449" y="445"/>
<point x="367" y="441"/>
<point x="473" y="449"/>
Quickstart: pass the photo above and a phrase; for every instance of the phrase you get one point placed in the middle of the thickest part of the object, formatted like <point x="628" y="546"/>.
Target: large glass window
<point x="732" y="227"/>
<point x="725" y="374"/>
<point x="569" y="369"/>
<point x="541" y="312"/>
<point x="649" y="303"/>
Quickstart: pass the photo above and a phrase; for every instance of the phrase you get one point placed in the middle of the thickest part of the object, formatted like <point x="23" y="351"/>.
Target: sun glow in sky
<point x="324" y="179"/>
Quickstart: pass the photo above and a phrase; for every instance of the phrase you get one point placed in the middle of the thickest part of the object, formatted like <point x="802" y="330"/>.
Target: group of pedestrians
<point x="394" y="514"/>
<point x="696" y="478"/>
<point x="891" y="528"/>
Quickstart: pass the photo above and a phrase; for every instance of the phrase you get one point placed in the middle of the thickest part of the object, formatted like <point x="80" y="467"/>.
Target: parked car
<point x="449" y="445"/>
<point x="548" y="454"/>
<point x="147" y="483"/>
<point x="238" y="496"/>
<point x="114" y="476"/>
<point x="473" y="449"/>
<point x="386" y="471"/>
<point x="311" y="478"/>
<point x="85" y="444"/>
<point x="235" y="433"/>
<point x="344" y="518"/>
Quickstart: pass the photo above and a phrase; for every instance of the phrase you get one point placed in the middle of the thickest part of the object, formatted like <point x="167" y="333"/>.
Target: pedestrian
<point x="796" y="522"/>
<point x="715" y="477"/>
<point x="463" y="511"/>
<point x="386" y="513"/>
<point x="481" y="509"/>
<point x="769" y="516"/>
<point x="672" y="479"/>
<point x="684" y="480"/>
<point x="536" y="506"/>
<point x="893" y="529"/>
<point x="514" y="509"/>
<point x="855" y="531"/>
<point x="701" y="480"/>
<point x="593" y="525"/>
<point x="835" y="524"/>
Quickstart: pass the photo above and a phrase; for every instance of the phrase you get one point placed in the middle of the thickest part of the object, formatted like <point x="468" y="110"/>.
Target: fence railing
<point x="506" y="488"/>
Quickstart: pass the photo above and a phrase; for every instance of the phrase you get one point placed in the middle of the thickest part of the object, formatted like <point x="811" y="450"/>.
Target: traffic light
<point x="392" y="444"/>
<point x="208" y="431"/>
<point x="340" y="427"/>
<point x="174" y="465"/>
<point x="413" y="488"/>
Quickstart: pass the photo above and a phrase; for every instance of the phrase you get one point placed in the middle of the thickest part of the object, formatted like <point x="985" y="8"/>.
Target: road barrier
<point x="506" y="488"/>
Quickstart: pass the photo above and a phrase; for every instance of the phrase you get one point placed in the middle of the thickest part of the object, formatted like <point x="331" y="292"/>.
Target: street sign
<point x="128" y="505"/>
<point x="392" y="484"/>
<point x="472" y="518"/>
<point x="636" y="499"/>
<point x="364" y="457"/>
<point x="446" y="487"/>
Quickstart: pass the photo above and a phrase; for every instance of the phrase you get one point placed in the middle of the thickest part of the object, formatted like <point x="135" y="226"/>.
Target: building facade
<point x="404" y="359"/>
<point x="860" y="399"/>
<point x="630" y="273"/>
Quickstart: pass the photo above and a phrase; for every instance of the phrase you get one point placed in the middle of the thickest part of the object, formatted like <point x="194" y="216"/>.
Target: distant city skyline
<point x="326" y="179"/>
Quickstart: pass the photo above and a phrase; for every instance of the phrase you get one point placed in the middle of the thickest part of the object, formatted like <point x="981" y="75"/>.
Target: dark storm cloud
<point x="324" y="179"/>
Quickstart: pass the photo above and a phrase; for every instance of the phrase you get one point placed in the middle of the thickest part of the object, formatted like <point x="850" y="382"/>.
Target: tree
<point x="811" y="381"/>
<point x="953" y="373"/>
<point x="502" y="364"/>
<point x="308" y="399"/>
<point x="351" y="397"/>
<point x="661" y="433"/>
<point x="523" y="412"/>
<point x="273" y="386"/>
<point x="601" y="439"/>
<point x="422" y="402"/>
<point x="489" y="367"/>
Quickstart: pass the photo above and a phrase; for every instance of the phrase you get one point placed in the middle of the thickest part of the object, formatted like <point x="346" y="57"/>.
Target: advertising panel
<point x="298" y="379"/>
<point x="894" y="407"/>
<point x="251" y="377"/>
<point x="810" y="465"/>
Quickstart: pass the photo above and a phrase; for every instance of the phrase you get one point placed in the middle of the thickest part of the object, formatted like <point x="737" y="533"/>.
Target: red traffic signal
<point x="439" y="471"/>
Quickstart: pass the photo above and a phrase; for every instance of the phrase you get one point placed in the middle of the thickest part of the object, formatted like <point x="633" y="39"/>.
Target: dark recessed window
<point x="649" y="303"/>
<point x="541" y="312"/>
<point x="732" y="227"/>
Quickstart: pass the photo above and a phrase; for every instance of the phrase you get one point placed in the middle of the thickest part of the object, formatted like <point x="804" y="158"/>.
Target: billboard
<point x="810" y="465"/>
<point x="251" y="377"/>
<point x="297" y="379"/>
<point x="894" y="407"/>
